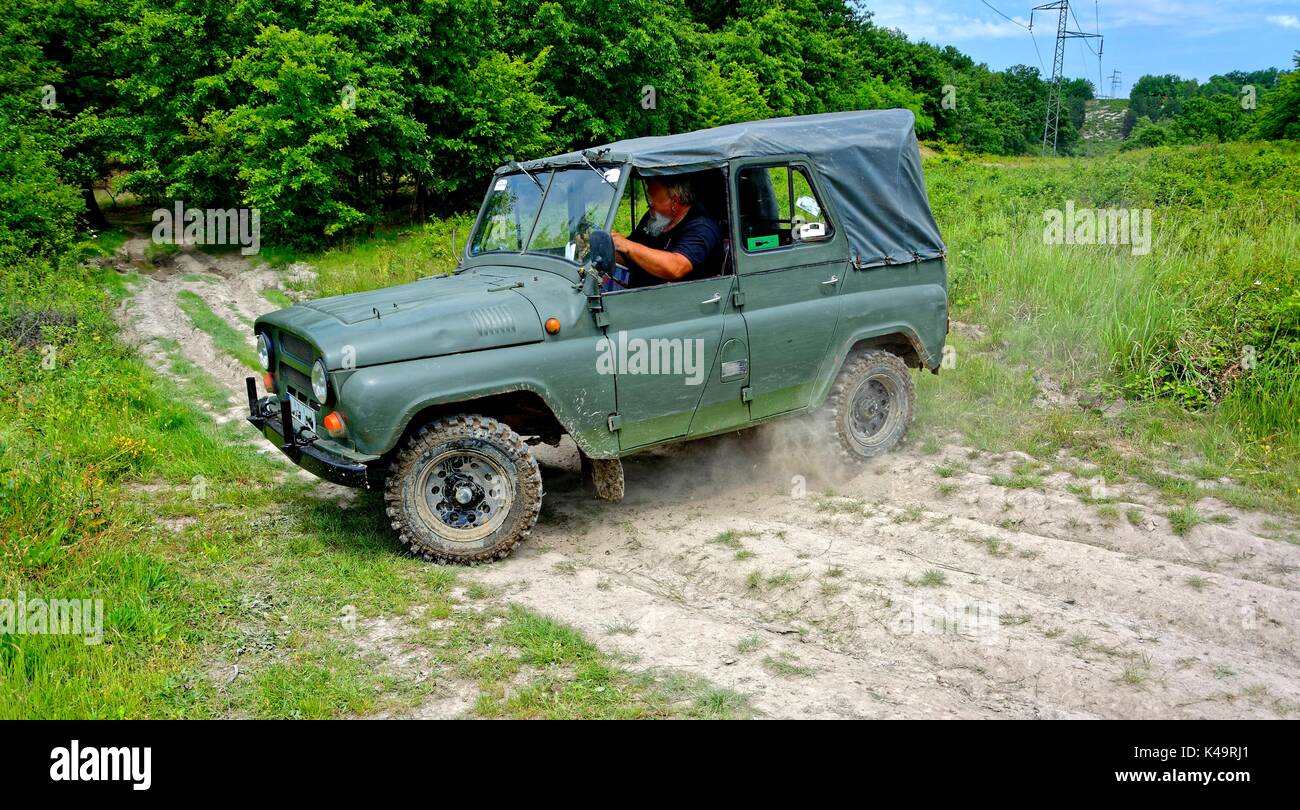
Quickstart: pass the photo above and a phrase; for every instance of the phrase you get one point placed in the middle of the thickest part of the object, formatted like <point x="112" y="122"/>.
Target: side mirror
<point x="602" y="251"/>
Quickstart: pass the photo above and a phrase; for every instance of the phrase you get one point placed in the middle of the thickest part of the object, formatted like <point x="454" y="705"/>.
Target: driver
<point x="676" y="240"/>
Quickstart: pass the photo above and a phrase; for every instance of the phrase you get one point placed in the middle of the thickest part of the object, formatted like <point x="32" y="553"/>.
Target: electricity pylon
<point x="1052" y="125"/>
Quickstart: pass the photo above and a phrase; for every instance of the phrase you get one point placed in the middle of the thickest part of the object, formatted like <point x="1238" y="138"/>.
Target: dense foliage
<point x="1234" y="106"/>
<point x="326" y="113"/>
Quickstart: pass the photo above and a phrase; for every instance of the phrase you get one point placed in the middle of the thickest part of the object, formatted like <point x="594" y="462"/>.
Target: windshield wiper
<point x="515" y="165"/>
<point x="597" y="171"/>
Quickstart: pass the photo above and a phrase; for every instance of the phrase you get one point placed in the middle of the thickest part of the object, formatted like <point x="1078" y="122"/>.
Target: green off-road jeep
<point x="827" y="284"/>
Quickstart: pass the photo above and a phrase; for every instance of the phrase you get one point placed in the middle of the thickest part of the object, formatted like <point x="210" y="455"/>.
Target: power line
<point x="1040" y="54"/>
<point x="1078" y="25"/>
<point x="1005" y="17"/>
<point x="1028" y="28"/>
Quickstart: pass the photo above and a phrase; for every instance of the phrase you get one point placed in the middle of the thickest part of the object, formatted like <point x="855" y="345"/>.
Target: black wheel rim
<point x="873" y="410"/>
<point x="464" y="495"/>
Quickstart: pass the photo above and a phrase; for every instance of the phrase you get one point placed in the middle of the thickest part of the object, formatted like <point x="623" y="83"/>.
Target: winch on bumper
<point x="273" y="417"/>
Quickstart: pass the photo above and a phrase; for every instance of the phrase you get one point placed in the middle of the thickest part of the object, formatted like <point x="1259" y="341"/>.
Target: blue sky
<point x="1192" y="38"/>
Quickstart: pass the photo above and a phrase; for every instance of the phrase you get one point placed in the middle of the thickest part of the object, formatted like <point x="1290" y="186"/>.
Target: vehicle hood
<point x="470" y="311"/>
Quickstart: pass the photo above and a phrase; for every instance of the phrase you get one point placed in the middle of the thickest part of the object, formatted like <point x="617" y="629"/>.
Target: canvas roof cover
<point x="868" y="162"/>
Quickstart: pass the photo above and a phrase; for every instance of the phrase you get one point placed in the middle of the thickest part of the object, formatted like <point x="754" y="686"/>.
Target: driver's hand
<point x="620" y="241"/>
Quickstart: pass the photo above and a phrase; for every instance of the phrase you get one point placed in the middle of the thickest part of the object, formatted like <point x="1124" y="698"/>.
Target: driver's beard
<point x="657" y="223"/>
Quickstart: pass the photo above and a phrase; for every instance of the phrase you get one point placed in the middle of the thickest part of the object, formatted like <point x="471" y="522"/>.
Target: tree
<point x="1279" y="113"/>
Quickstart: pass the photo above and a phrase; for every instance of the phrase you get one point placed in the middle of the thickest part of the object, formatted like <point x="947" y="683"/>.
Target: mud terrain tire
<point x="464" y="490"/>
<point x="871" y="404"/>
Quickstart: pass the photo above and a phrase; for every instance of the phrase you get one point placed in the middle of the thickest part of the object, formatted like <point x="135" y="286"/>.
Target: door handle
<point x="715" y="299"/>
<point x="831" y="280"/>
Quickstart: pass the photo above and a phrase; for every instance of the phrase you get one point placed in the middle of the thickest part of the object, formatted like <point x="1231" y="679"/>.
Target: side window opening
<point x="773" y="202"/>
<point x="710" y="190"/>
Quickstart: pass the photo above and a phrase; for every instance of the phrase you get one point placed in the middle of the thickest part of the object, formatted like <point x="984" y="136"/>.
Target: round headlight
<point x="320" y="381"/>
<point x="264" y="351"/>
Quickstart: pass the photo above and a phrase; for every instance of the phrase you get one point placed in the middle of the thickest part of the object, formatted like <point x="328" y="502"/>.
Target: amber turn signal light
<point x="333" y="422"/>
<point x="553" y="326"/>
<point x="269" y="382"/>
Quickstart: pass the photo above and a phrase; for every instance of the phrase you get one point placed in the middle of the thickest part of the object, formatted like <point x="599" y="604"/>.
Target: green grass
<point x="106" y="242"/>
<point x="156" y="251"/>
<point x="196" y="383"/>
<point x="1167" y="330"/>
<point x="1017" y="481"/>
<point x="1183" y="519"/>
<point x="391" y="256"/>
<point x="224" y="584"/>
<point x="995" y="547"/>
<point x="575" y="680"/>
<point x="731" y="538"/>
<point x="930" y="579"/>
<point x="225" y="336"/>
<point x="277" y="297"/>
<point x="785" y="665"/>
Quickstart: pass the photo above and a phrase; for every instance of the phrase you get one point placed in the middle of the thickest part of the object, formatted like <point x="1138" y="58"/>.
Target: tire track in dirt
<point x="229" y="284"/>
<point x="1037" y="625"/>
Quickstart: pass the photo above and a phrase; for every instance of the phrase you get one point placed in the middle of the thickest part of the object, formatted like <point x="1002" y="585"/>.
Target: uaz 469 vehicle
<point x="809" y="277"/>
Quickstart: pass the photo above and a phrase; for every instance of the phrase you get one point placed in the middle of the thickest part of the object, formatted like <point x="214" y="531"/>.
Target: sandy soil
<point x="887" y="591"/>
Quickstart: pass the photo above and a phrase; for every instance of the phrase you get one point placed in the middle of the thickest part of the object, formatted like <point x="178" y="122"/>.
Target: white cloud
<point x="945" y="21"/>
<point x="931" y="22"/>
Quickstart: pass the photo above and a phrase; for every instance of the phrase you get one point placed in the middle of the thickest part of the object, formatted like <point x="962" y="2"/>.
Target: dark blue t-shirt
<point x="697" y="237"/>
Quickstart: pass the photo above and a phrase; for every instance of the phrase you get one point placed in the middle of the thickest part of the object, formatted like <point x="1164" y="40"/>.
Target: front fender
<point x="379" y="402"/>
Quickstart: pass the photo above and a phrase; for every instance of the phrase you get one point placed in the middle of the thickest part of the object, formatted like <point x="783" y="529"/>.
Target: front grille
<point x="298" y="347"/>
<point x="299" y="383"/>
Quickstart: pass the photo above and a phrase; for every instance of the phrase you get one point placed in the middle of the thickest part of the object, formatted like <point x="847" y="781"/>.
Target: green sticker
<point x="763" y="242"/>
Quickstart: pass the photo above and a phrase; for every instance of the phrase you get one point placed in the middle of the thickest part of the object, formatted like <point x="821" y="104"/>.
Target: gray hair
<point x="680" y="189"/>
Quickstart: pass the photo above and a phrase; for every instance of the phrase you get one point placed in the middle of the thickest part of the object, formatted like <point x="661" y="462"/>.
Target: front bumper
<point x="271" y="416"/>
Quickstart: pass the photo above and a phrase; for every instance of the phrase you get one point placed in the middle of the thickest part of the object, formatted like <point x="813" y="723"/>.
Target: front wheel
<point x="871" y="404"/>
<point x="465" y="490"/>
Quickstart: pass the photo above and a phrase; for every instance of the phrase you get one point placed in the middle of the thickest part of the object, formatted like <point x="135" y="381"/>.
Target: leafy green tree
<point x="1214" y="118"/>
<point x="1147" y="133"/>
<point x="1279" y="112"/>
<point x="39" y="200"/>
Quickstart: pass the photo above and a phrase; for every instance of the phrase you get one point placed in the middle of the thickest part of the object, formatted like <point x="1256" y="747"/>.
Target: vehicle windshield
<point x="552" y="216"/>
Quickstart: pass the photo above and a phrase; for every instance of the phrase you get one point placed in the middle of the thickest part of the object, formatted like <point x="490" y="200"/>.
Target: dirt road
<point x="922" y="585"/>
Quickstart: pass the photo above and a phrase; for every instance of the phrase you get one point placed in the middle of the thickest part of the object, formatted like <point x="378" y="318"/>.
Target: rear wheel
<point x="465" y="490"/>
<point x="871" y="404"/>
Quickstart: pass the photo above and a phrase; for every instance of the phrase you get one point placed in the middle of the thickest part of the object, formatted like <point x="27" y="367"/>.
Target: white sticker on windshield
<point x="501" y="185"/>
<point x="570" y="250"/>
<point x="612" y="175"/>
